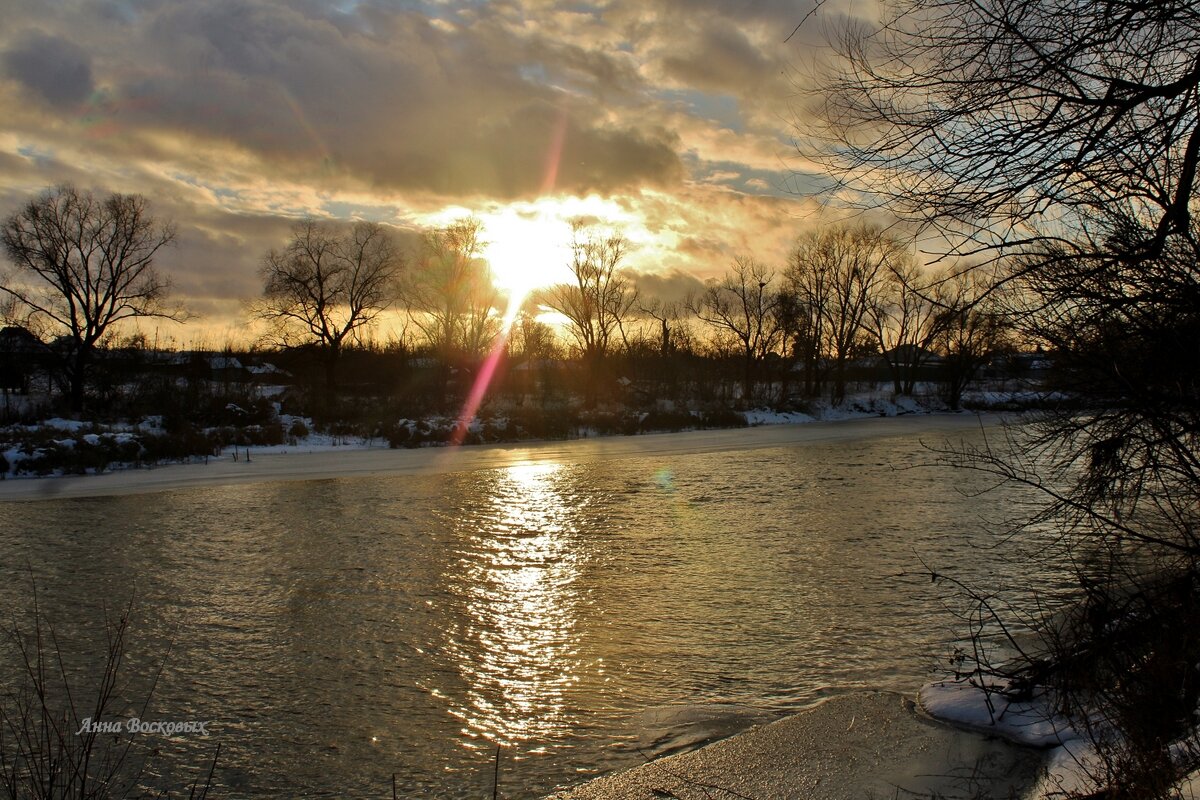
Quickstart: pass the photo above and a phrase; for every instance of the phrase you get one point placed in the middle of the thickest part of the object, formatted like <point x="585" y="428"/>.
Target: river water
<point x="583" y="610"/>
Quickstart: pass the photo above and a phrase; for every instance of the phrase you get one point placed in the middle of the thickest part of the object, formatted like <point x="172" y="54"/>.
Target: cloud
<point x="235" y="117"/>
<point x="391" y="100"/>
<point x="673" y="287"/>
<point x="718" y="57"/>
<point x="51" y="68"/>
<point x="456" y="100"/>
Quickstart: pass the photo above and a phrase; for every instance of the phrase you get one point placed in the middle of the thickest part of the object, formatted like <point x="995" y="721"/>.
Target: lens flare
<point x="516" y="299"/>
<point x="486" y="372"/>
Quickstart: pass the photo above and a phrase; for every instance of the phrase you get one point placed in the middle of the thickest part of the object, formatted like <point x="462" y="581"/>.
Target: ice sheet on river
<point x="364" y="463"/>
<point x="853" y="746"/>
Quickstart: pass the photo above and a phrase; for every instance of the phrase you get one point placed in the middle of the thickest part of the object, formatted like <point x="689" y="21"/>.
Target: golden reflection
<point x="518" y="656"/>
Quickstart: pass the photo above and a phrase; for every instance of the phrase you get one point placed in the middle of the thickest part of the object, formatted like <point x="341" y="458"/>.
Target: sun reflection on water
<point x="518" y="652"/>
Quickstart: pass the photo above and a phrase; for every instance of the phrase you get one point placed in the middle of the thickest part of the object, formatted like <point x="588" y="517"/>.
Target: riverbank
<point x="849" y="747"/>
<point x="297" y="465"/>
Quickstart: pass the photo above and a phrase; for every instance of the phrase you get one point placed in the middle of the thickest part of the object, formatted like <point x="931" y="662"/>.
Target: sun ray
<point x="519" y="272"/>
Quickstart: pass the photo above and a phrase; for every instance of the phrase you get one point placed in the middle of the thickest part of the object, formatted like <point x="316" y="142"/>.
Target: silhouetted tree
<point x="84" y="264"/>
<point x="835" y="276"/>
<point x="969" y="328"/>
<point x="1009" y="122"/>
<point x="327" y="286"/>
<point x="450" y="294"/>
<point x="742" y="305"/>
<point x="668" y="318"/>
<point x="1061" y="141"/>
<point x="904" y="320"/>
<point x="598" y="301"/>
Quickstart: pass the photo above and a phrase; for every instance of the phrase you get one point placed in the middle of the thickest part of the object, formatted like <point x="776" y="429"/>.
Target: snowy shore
<point x="296" y="464"/>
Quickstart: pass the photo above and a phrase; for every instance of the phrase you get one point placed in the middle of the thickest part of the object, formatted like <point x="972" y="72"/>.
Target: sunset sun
<point x="526" y="251"/>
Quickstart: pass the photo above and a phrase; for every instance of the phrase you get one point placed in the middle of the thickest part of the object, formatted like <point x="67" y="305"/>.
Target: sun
<point x="526" y="249"/>
<point x="527" y="244"/>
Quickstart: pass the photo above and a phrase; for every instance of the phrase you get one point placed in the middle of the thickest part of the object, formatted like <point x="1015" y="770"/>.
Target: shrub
<point x="397" y="435"/>
<point x="45" y="705"/>
<point x="674" y="420"/>
<point x="536" y="423"/>
<point x="722" y="418"/>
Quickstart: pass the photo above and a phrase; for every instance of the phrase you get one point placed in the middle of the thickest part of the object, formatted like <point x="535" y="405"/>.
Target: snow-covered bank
<point x="349" y="462"/>
<point x="1072" y="763"/>
<point x="986" y="709"/>
<point x="852" y="746"/>
<point x="60" y="446"/>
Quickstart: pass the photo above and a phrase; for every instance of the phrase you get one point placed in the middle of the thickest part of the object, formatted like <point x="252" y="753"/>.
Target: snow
<point x="1190" y="788"/>
<point x="978" y="706"/>
<point x="266" y="369"/>
<point x="877" y="402"/>
<point x="58" y="423"/>
<point x="1072" y="762"/>
<point x="970" y="705"/>
<point x="762" y="416"/>
<point x="224" y="362"/>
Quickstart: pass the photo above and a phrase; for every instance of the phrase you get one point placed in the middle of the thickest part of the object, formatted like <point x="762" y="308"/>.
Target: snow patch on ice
<point x="969" y="705"/>
<point x="763" y="416"/>
<point x="1071" y="758"/>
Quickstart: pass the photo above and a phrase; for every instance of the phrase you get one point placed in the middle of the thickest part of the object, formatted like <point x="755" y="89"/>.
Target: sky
<point x="672" y="119"/>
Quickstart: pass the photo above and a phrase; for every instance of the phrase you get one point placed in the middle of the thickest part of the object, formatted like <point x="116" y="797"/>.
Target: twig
<point x="496" y="774"/>
<point x="701" y="785"/>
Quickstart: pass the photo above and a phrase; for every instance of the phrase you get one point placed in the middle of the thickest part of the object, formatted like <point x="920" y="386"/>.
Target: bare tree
<point x="809" y="286"/>
<point x="1062" y="140"/>
<point x="668" y="318"/>
<point x="835" y="274"/>
<point x="326" y="286"/>
<point x="904" y="320"/>
<point x="531" y="339"/>
<point x="450" y="295"/>
<point x="1009" y="122"/>
<point x="743" y="305"/>
<point x="969" y="329"/>
<point x="598" y="301"/>
<point x="84" y="264"/>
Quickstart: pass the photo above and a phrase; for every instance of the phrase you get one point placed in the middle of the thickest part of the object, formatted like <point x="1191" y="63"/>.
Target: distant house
<point x="223" y="363"/>
<point x="911" y="354"/>
<point x="266" y="369"/>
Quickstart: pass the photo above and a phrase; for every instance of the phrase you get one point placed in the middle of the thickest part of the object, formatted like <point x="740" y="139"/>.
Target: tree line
<point x="84" y="264"/>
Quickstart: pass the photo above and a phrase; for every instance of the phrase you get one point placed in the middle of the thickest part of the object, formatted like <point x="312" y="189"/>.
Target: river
<point x="583" y="607"/>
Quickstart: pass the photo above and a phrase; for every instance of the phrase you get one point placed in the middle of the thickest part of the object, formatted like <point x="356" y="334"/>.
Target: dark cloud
<point x="671" y="287"/>
<point x="398" y="100"/>
<point x="718" y="57"/>
<point x="217" y="254"/>
<point x="702" y="246"/>
<point x="52" y="68"/>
